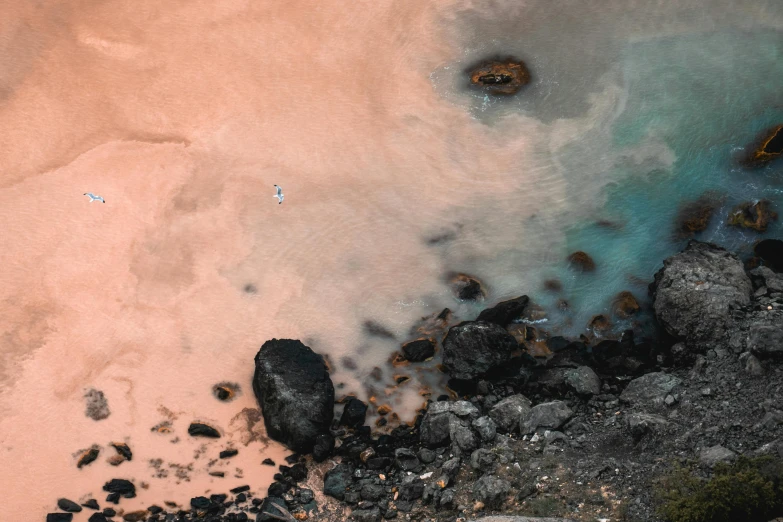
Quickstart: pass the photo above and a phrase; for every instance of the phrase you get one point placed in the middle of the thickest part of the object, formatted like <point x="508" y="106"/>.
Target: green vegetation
<point x="750" y="490"/>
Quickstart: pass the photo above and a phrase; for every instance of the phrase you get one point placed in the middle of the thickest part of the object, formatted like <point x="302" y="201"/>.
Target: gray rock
<point x="483" y="460"/>
<point x="765" y="336"/>
<point x="546" y="415"/>
<point x="695" y="291"/>
<point x="715" y="454"/>
<point x="405" y="459"/>
<point x="447" y="498"/>
<point x="463" y="437"/>
<point x="752" y="364"/>
<point x="772" y="281"/>
<point x="651" y="388"/>
<point x="486" y="428"/>
<point x="509" y="412"/>
<point x="472" y="348"/>
<point x="451" y="467"/>
<point x="436" y="426"/>
<point x="491" y="490"/>
<point x="503" y="518"/>
<point x="372" y="492"/>
<point x="583" y="380"/>
<point x="427" y="455"/>
<point x="641" y="424"/>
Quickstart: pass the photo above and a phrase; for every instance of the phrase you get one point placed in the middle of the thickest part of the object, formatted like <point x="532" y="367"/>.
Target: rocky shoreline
<point x="584" y="432"/>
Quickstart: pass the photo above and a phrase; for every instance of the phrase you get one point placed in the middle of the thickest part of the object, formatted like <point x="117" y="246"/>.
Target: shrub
<point x="748" y="490"/>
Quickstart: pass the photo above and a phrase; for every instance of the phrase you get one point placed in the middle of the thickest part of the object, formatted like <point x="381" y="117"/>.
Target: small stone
<point x="419" y="350"/>
<point x="486" y="428"/>
<point x="88" y="456"/>
<point x="200" y="503"/>
<point x="500" y="77"/>
<point x="354" y="413"/>
<point x="92" y="504"/>
<point x="268" y="462"/>
<point x="405" y="459"/>
<point x="68" y="505"/>
<point x="198" y="429"/>
<point x="97" y="405"/>
<point x="324" y="445"/>
<point x="491" y="491"/>
<point x="581" y="261"/>
<point x="583" y="380"/>
<point x="227" y="454"/>
<point x="59" y="517"/>
<point x="123" y="450"/>
<point x="669" y="400"/>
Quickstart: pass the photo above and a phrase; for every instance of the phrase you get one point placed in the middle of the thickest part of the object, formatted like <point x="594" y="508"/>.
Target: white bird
<point x="279" y="194"/>
<point x="93" y="197"/>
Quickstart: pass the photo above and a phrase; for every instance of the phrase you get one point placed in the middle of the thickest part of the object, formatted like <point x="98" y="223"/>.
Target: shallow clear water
<point x="183" y="116"/>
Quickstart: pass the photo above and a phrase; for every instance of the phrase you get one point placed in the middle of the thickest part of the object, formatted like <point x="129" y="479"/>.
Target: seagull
<point x="93" y="197"/>
<point x="279" y="194"/>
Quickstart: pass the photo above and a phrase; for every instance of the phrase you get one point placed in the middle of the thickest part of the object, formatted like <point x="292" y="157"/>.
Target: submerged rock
<point x="694" y="216"/>
<point x="466" y="288"/>
<point x="68" y="505"/>
<point x="625" y="305"/>
<point x="504" y="312"/>
<point x="419" y="350"/>
<point x="296" y="394"/>
<point x="768" y="146"/>
<point x="97" y="405"/>
<point x="771" y="253"/>
<point x="500" y="76"/>
<point x="755" y="215"/>
<point x="695" y="291"/>
<point x="581" y="261"/>
<point x="472" y="348"/>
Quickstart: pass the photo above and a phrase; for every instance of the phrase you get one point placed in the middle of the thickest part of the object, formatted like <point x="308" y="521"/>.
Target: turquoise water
<point x="706" y="96"/>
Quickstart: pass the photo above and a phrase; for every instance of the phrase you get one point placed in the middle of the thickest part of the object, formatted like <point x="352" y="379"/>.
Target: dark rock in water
<point x="157" y="509"/>
<point x="695" y="291"/>
<point x="98" y="517"/>
<point x="227" y="454"/>
<point x="377" y="330"/>
<point x="88" y="456"/>
<point x="240" y="489"/>
<point x="581" y="261"/>
<point x="337" y="480"/>
<point x="121" y="486"/>
<point x="472" y="348"/>
<point x="324" y="445"/>
<point x="68" y="505"/>
<point x="219" y="474"/>
<point x="768" y="146"/>
<point x="504" y="312"/>
<point x="491" y="490"/>
<point x="59" y="517"/>
<point x="296" y="394"/>
<point x="599" y="323"/>
<point x="755" y="215"/>
<point x="625" y="305"/>
<point x="466" y="288"/>
<point x="771" y="253"/>
<point x="502" y="77"/>
<point x="114" y="498"/>
<point x="200" y="503"/>
<point x="97" y="406"/>
<point x="354" y="413"/>
<point x="199" y="429"/>
<point x="226" y="391"/>
<point x="419" y="350"/>
<point x="109" y="512"/>
<point x="92" y="504"/>
<point x="123" y="450"/>
<point x="694" y="216"/>
<point x="268" y="462"/>
<point x="553" y="285"/>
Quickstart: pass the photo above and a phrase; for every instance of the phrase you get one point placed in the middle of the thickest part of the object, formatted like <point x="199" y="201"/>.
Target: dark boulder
<point x="59" y="517"/>
<point x="68" y="505"/>
<point x="767" y="147"/>
<point x="337" y="480"/>
<point x="324" y="445"/>
<point x="296" y="394"/>
<point x="227" y="454"/>
<point x="694" y="216"/>
<point x="123" y="450"/>
<point x="419" y="350"/>
<point x="92" y="504"/>
<point x="121" y="486"/>
<point x="472" y="348"/>
<point x="504" y="312"/>
<point x="88" y="456"/>
<point x="765" y="335"/>
<point x="466" y="288"/>
<point x="771" y="253"/>
<point x="755" y="215"/>
<point x="695" y="291"/>
<point x="199" y="429"/>
<point x="354" y="413"/>
<point x="98" y="517"/>
<point x="625" y="305"/>
<point x="500" y="77"/>
<point x="200" y="503"/>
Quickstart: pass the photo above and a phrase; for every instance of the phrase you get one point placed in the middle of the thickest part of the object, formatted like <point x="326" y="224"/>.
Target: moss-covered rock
<point x="755" y="215"/>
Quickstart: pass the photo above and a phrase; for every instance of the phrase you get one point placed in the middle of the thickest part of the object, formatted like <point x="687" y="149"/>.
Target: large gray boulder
<point x="695" y="291"/>
<point x="296" y="394"/>
<point x="651" y="388"/>
<point x="445" y="419"/>
<point x="472" y="348"/>
<point x="509" y="412"/>
<point x="550" y="415"/>
<point x="583" y="380"/>
<point x="765" y="334"/>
